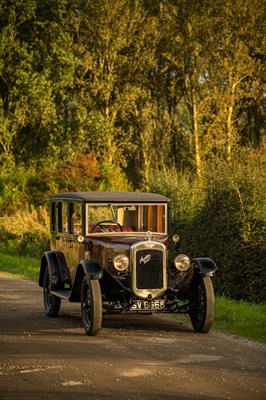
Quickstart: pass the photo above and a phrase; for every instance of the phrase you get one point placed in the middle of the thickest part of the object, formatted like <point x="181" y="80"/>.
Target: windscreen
<point x="126" y="218"/>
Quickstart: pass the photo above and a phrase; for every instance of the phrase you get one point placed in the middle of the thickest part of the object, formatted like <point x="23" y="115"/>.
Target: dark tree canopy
<point x="135" y="83"/>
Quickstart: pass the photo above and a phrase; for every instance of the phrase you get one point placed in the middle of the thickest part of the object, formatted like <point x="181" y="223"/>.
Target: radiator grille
<point x="149" y="269"/>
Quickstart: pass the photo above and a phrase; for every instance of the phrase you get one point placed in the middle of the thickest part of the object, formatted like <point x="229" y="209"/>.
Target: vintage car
<point x="109" y="252"/>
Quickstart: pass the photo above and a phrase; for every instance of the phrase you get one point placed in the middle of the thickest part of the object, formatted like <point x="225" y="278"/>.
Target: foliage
<point x="224" y="220"/>
<point x="26" y="232"/>
<point x="76" y="175"/>
<point x="186" y="195"/>
<point x="235" y="215"/>
<point x="21" y="187"/>
<point x="12" y="188"/>
<point x="113" y="179"/>
<point x="141" y="94"/>
<point x="121" y="80"/>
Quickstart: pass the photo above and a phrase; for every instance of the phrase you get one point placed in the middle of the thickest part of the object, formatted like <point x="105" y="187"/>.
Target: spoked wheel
<point x="201" y="311"/>
<point x="51" y="302"/>
<point x="91" y="306"/>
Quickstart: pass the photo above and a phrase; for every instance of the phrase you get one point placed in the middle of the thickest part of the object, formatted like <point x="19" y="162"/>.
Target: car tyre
<point x="202" y="311"/>
<point x="51" y="302"/>
<point x="91" y="306"/>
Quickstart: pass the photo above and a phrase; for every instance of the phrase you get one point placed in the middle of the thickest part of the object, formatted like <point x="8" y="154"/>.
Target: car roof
<point x="113" y="197"/>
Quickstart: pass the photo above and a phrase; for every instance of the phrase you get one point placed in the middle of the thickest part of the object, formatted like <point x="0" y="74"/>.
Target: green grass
<point x="236" y="317"/>
<point x="241" y="318"/>
<point x="20" y="267"/>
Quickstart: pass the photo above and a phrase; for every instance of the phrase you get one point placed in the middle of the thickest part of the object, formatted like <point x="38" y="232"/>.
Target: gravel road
<point x="140" y="357"/>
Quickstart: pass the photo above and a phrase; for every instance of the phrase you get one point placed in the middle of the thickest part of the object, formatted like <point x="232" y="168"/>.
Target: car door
<point x="75" y="250"/>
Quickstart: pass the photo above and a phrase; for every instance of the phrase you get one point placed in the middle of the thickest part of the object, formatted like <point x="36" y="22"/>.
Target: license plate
<point x="145" y="305"/>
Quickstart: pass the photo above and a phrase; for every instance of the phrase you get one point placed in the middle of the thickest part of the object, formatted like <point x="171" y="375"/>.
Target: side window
<point x="76" y="218"/>
<point x="53" y="216"/>
<point x="59" y="216"/>
<point x="64" y="217"/>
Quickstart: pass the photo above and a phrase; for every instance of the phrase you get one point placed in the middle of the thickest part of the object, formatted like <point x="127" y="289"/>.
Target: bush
<point x="186" y="200"/>
<point x="12" y="188"/>
<point x="224" y="220"/>
<point x="21" y="187"/>
<point x="25" y="233"/>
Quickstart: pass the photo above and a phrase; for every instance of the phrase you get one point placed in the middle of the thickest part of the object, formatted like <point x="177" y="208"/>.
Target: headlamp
<point x="182" y="262"/>
<point x="121" y="262"/>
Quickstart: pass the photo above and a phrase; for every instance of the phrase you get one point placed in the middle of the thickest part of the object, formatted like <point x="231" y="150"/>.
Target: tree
<point x="116" y="51"/>
<point x="15" y="70"/>
<point x="36" y="70"/>
<point x="138" y="84"/>
<point x="238" y="66"/>
<point x="217" y="51"/>
<point x="188" y="51"/>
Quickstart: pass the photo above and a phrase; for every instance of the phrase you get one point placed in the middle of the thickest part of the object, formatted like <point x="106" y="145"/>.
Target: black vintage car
<point x="109" y="252"/>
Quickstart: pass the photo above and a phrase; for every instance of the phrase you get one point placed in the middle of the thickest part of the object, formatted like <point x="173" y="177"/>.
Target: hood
<point x="124" y="241"/>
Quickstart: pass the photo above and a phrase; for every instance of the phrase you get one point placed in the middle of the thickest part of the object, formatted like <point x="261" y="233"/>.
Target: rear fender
<point x="205" y="265"/>
<point x="49" y="260"/>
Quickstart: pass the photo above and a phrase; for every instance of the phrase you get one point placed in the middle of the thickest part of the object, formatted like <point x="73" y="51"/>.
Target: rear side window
<point x="59" y="217"/>
<point x="53" y="216"/>
<point x="65" y="217"/>
<point x="62" y="217"/>
<point x="76" y="219"/>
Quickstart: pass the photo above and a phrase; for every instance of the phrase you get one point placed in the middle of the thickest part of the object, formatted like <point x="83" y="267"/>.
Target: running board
<point x="63" y="294"/>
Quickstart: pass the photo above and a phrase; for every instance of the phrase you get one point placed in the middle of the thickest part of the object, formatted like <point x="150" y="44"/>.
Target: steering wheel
<point x="104" y="222"/>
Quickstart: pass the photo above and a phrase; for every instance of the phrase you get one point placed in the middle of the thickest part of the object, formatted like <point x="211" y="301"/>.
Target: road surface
<point x="140" y="357"/>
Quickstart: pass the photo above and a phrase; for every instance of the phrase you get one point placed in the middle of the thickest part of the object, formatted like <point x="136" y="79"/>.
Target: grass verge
<point x="236" y="317"/>
<point x="19" y="267"/>
<point x="241" y="318"/>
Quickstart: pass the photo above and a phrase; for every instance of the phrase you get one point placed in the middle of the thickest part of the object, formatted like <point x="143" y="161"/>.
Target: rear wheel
<point x="91" y="306"/>
<point x="51" y="302"/>
<point x="203" y="301"/>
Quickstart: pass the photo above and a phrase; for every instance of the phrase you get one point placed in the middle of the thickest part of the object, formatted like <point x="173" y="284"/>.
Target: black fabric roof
<point x="112" y="197"/>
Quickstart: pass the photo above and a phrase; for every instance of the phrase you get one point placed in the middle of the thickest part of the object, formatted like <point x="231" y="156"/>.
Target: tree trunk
<point x="229" y="132"/>
<point x="196" y="138"/>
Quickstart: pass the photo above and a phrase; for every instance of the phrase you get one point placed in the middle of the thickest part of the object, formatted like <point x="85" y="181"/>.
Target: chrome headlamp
<point x="121" y="262"/>
<point x="182" y="262"/>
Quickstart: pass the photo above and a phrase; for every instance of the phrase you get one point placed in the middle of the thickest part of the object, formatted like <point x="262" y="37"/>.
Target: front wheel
<point x="201" y="311"/>
<point x="51" y="302"/>
<point x="91" y="306"/>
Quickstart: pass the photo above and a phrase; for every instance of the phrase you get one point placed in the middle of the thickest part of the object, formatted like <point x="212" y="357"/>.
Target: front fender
<point x="206" y="265"/>
<point x="92" y="269"/>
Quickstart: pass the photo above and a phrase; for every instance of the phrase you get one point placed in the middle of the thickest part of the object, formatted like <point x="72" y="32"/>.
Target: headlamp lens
<point x="121" y="262"/>
<point x="182" y="262"/>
